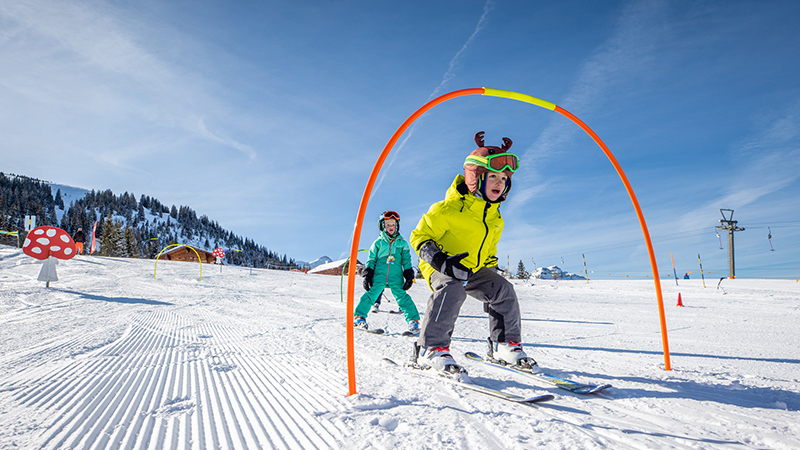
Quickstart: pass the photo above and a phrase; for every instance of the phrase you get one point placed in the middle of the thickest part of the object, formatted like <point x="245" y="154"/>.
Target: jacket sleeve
<point x="405" y="257"/>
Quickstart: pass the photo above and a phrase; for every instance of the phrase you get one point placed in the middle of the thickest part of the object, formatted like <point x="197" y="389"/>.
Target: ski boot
<point x="360" y="322"/>
<point x="438" y="358"/>
<point x="510" y="353"/>
<point x="413" y="327"/>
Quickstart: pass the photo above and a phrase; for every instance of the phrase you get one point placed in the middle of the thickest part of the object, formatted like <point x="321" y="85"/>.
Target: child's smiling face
<point x="390" y="226"/>
<point x="495" y="185"/>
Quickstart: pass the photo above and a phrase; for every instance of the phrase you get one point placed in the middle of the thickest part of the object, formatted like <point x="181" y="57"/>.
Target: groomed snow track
<point x="165" y="383"/>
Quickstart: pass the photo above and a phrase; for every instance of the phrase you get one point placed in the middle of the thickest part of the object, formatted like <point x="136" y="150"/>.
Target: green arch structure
<point x="351" y="372"/>
<point x="179" y="245"/>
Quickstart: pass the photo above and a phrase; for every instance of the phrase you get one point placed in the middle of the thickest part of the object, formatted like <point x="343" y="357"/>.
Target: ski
<point x="371" y="330"/>
<point x="462" y="380"/>
<point x="367" y="330"/>
<point x="380" y="331"/>
<point x="389" y="311"/>
<point x="563" y="383"/>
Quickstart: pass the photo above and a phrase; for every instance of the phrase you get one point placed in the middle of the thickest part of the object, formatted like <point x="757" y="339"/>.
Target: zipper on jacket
<point x="485" y="234"/>
<point x="388" y="263"/>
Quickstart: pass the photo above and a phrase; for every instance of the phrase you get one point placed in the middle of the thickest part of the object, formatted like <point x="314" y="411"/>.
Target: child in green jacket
<point x="389" y="265"/>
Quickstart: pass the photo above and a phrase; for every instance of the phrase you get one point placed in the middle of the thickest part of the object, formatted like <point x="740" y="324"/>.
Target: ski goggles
<point x="391" y="215"/>
<point x="496" y="163"/>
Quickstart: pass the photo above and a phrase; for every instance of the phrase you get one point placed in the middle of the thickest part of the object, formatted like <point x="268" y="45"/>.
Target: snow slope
<point x="109" y="357"/>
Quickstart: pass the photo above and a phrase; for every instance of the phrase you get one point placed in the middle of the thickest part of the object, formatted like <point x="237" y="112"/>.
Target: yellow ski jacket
<point x="460" y="223"/>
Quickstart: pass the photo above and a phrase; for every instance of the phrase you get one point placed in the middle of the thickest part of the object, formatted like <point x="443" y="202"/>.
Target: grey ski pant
<point x="449" y="294"/>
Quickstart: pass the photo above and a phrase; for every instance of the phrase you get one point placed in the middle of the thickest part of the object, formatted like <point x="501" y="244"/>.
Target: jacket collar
<point x="458" y="191"/>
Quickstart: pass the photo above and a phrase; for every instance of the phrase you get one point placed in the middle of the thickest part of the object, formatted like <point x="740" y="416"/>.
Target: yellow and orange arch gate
<point x="179" y="245"/>
<point x="351" y="370"/>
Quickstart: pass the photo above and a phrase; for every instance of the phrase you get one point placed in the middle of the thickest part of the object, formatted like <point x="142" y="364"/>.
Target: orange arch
<point x="513" y="96"/>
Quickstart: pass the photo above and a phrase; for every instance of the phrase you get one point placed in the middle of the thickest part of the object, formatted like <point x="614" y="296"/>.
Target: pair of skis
<point x="563" y="383"/>
<point x="461" y="379"/>
<point x="380" y="331"/>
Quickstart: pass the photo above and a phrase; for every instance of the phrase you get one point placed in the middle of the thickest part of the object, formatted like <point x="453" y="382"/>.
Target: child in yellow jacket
<point x="456" y="241"/>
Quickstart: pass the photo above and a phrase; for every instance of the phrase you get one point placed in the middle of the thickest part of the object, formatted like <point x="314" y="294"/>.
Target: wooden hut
<point x="187" y="254"/>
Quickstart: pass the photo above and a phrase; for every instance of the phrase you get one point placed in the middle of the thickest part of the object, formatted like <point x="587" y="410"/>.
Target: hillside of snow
<point x="203" y="357"/>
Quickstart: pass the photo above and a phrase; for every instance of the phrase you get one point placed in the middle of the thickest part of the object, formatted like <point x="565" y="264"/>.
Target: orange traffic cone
<point x="680" y="303"/>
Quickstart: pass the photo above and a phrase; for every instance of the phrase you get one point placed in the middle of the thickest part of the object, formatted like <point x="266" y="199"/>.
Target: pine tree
<point x="110" y="238"/>
<point x="521" y="272"/>
<point x="59" y="200"/>
<point x="119" y="250"/>
<point x="130" y="242"/>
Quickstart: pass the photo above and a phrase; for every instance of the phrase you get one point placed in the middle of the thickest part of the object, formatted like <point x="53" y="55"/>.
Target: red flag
<point x="91" y="250"/>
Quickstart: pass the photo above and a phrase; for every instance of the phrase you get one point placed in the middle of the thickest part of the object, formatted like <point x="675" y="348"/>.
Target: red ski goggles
<point x="391" y="215"/>
<point x="496" y="163"/>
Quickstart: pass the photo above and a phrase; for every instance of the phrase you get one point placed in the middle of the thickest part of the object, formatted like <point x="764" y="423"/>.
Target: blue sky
<point x="269" y="116"/>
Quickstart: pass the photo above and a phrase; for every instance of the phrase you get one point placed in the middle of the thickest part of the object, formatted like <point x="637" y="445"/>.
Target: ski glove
<point x="368" y="273"/>
<point x="408" y="274"/>
<point x="451" y="265"/>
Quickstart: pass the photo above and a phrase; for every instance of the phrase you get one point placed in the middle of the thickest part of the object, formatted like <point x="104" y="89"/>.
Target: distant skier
<point x="79" y="239"/>
<point x="457" y="245"/>
<point x="389" y="265"/>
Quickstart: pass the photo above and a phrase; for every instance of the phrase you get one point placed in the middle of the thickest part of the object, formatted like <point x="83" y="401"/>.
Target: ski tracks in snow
<point x="175" y="382"/>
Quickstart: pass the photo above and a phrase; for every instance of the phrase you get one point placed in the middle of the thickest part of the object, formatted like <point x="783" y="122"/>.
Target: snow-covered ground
<point x="109" y="357"/>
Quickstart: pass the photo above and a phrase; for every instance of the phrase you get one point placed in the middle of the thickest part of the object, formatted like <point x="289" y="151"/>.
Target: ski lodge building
<point x="186" y="254"/>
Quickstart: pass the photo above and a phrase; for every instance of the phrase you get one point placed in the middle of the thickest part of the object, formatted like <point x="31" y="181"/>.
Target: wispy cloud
<point x="614" y="61"/>
<point x="451" y="68"/>
<point x="449" y="74"/>
<point x="92" y="36"/>
<point x="87" y="60"/>
<point x="198" y="126"/>
<point x="769" y="161"/>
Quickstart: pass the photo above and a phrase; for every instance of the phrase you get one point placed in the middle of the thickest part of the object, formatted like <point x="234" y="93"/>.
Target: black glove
<point x="408" y="274"/>
<point x="368" y="273"/>
<point x="451" y="265"/>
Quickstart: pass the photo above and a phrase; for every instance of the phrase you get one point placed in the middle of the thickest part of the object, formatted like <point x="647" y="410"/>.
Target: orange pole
<point x="362" y="209"/>
<point x="351" y="367"/>
<point x="642" y="223"/>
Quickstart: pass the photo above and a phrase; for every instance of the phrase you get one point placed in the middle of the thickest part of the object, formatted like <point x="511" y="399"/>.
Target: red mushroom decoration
<point x="49" y="244"/>
<point x="44" y="242"/>
<point x="219" y="254"/>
